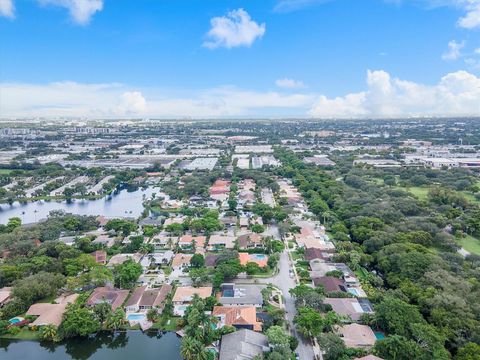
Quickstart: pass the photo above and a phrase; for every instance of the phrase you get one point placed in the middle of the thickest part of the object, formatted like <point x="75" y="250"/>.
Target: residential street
<point x="284" y="282"/>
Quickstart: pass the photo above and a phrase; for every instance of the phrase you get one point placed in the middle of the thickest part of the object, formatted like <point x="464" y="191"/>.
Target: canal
<point x="104" y="346"/>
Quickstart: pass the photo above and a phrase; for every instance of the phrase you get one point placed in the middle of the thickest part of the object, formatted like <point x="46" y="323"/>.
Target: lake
<point x="123" y="203"/>
<point x="104" y="346"/>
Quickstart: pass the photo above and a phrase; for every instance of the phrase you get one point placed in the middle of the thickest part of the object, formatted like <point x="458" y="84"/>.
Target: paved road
<point x="284" y="282"/>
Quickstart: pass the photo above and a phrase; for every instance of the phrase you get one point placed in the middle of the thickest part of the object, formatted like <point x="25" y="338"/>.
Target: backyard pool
<point x="136" y="317"/>
<point x="258" y="256"/>
<point x="379" y="335"/>
<point x="353" y="292"/>
<point x="228" y="293"/>
<point x="15" y="320"/>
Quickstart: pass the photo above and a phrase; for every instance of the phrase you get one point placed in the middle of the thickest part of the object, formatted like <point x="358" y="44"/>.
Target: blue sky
<point x="239" y="58"/>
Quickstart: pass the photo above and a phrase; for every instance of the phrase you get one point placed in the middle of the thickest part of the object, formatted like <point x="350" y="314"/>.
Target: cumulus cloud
<point x="81" y="11"/>
<point x="471" y="19"/>
<point x="287" y="83"/>
<point x="235" y="29"/>
<point x="456" y="94"/>
<point x="116" y="100"/>
<point x="454" y="50"/>
<point x="7" y="9"/>
<point x="133" y="102"/>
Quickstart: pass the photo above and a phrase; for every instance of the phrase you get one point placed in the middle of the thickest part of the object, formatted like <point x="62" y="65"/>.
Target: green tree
<point x="78" y="321"/>
<point x="470" y="351"/>
<point x="49" y="333"/>
<point x="197" y="261"/>
<point x="277" y="336"/>
<point x="126" y="274"/>
<point x="192" y="349"/>
<point x="115" y="320"/>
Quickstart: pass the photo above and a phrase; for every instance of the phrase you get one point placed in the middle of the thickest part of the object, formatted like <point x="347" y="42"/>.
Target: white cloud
<point x="133" y="102"/>
<point x="456" y="94"/>
<point x="287" y="83"/>
<point x="81" y="11"/>
<point x="116" y="100"/>
<point x="235" y="29"/>
<point x="471" y="19"/>
<point x="7" y="9"/>
<point x="454" y="50"/>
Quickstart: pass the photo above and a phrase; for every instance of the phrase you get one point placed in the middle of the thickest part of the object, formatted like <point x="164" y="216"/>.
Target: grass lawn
<point x="5" y="171"/>
<point x="24" y="334"/>
<point x="470" y="197"/>
<point x="420" y="192"/>
<point x="470" y="244"/>
<point x="172" y="326"/>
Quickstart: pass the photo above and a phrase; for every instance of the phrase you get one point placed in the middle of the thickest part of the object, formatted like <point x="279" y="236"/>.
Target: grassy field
<point x="420" y="192"/>
<point x="5" y="171"/>
<point x="24" y="334"/>
<point x="470" y="244"/>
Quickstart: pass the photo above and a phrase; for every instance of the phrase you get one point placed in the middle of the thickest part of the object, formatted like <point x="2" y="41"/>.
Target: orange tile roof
<point x="238" y="315"/>
<point x="246" y="258"/>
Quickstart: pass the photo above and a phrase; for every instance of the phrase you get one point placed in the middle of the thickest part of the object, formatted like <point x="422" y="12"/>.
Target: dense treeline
<point x="425" y="293"/>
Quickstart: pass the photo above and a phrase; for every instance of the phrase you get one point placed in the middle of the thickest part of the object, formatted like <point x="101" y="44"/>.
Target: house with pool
<point x="241" y="295"/>
<point x="184" y="295"/>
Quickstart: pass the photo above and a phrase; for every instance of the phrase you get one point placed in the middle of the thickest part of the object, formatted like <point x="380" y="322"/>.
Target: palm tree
<point x="145" y="249"/>
<point x="192" y="349"/>
<point x="48" y="332"/>
<point x="116" y="320"/>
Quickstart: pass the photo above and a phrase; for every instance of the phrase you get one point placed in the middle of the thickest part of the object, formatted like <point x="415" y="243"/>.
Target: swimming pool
<point x="379" y="335"/>
<point x="15" y="320"/>
<point x="258" y="256"/>
<point x="228" y="293"/>
<point x="353" y="292"/>
<point x="136" y="317"/>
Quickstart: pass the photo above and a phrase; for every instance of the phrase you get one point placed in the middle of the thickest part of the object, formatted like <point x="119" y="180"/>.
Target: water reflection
<point x="121" y="203"/>
<point x="104" y="345"/>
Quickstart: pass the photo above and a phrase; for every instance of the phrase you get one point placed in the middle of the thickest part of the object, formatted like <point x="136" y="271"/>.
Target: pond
<point x="123" y="203"/>
<point x="105" y="346"/>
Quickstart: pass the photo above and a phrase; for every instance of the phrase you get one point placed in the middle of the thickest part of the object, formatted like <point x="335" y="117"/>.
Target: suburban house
<point x="315" y="253"/>
<point x="259" y="259"/>
<point x="181" y="261"/>
<point x="100" y="256"/>
<point x="369" y="357"/>
<point x="219" y="242"/>
<point x="330" y="283"/>
<point x="240" y="317"/>
<point x="187" y="242"/>
<point x="184" y="295"/>
<point x="243" y="344"/>
<point x="357" y="336"/>
<point x="121" y="258"/>
<point x="220" y="189"/>
<point x="50" y="314"/>
<point x="145" y="299"/>
<point x="211" y="260"/>
<point x="352" y="307"/>
<point x="114" y="297"/>
<point x="157" y="259"/>
<point x="250" y="241"/>
<point x="5" y="295"/>
<point x="241" y="295"/>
